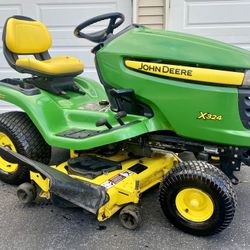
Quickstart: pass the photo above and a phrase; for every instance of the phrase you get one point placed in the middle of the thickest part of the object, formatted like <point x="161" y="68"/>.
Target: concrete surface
<point x="42" y="226"/>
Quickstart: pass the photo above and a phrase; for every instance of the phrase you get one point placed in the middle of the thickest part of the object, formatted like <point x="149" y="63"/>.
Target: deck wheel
<point x="130" y="217"/>
<point x="26" y="193"/>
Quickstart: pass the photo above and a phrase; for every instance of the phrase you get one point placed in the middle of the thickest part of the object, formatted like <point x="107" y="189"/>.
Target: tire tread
<point x="206" y="173"/>
<point x="27" y="140"/>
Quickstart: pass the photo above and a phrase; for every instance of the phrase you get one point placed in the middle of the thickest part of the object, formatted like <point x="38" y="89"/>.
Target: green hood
<point x="178" y="47"/>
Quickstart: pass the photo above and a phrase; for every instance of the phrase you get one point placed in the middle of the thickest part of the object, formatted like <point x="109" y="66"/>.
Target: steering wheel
<point x="116" y="19"/>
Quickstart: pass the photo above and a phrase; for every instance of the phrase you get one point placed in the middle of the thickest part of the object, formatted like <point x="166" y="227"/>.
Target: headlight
<point x="246" y="81"/>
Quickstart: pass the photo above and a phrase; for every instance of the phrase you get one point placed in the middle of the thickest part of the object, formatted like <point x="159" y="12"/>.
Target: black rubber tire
<point x="28" y="142"/>
<point x="209" y="179"/>
<point x="130" y="217"/>
<point x="26" y="193"/>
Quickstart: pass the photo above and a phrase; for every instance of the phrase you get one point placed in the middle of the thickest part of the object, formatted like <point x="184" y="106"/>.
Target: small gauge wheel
<point x="26" y="193"/>
<point x="130" y="217"/>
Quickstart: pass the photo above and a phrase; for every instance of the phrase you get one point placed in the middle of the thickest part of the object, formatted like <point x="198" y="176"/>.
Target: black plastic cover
<point x="91" y="166"/>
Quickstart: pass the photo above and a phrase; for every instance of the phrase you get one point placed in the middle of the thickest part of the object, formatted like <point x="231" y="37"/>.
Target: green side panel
<point x="177" y="104"/>
<point x="54" y="114"/>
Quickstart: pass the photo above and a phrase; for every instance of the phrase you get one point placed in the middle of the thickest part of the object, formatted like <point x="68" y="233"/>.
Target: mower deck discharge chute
<point x="172" y="109"/>
<point x="81" y="193"/>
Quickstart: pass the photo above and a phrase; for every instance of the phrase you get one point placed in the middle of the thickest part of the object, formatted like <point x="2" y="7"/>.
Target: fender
<point x="55" y="116"/>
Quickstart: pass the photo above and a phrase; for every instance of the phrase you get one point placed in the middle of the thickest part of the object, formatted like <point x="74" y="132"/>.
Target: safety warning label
<point x="116" y="179"/>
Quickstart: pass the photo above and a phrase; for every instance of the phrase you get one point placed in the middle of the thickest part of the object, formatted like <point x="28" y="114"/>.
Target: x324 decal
<point x="209" y="116"/>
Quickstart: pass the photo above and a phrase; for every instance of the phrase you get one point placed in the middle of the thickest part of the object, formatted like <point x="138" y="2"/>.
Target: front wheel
<point x="198" y="198"/>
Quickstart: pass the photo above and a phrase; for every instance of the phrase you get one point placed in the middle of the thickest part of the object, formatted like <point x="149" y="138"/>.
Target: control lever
<point x="119" y="116"/>
<point x="103" y="121"/>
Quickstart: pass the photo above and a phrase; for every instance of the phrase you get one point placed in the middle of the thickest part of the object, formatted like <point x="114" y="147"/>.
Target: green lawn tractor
<point x="172" y="109"/>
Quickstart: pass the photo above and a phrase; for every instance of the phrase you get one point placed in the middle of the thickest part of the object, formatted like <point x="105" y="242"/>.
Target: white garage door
<point x="225" y="20"/>
<point x="61" y="17"/>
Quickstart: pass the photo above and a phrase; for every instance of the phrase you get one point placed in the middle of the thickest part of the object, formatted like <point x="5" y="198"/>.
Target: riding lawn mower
<point x="172" y="109"/>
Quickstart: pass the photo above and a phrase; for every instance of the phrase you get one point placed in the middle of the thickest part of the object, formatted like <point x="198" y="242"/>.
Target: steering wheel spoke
<point x="111" y="25"/>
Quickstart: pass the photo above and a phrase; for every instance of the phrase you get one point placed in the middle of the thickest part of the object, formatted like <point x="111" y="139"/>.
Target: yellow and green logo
<point x="187" y="72"/>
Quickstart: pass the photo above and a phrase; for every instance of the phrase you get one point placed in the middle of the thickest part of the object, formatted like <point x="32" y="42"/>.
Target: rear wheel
<point x="18" y="133"/>
<point x="198" y="198"/>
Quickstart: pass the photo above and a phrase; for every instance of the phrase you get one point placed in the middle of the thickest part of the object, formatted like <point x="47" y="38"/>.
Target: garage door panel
<point x="231" y="35"/>
<point x="7" y="10"/>
<point x="11" y="73"/>
<point x="65" y="37"/>
<point x="225" y="20"/>
<point x="4" y="64"/>
<point x="55" y="15"/>
<point x="210" y="13"/>
<point x="6" y="107"/>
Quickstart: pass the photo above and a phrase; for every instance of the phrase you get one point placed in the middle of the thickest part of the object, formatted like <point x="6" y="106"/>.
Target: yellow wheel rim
<point x="194" y="205"/>
<point x="6" y="166"/>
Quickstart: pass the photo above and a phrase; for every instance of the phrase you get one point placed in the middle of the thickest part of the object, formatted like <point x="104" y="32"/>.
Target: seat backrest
<point x="23" y="35"/>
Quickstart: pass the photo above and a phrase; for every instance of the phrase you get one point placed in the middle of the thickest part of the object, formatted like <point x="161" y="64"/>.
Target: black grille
<point x="244" y="107"/>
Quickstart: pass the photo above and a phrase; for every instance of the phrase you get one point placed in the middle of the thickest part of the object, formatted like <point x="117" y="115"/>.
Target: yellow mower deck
<point x="123" y="186"/>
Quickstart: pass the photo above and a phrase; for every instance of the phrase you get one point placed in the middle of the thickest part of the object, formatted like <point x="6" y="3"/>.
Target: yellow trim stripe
<point x="188" y="73"/>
